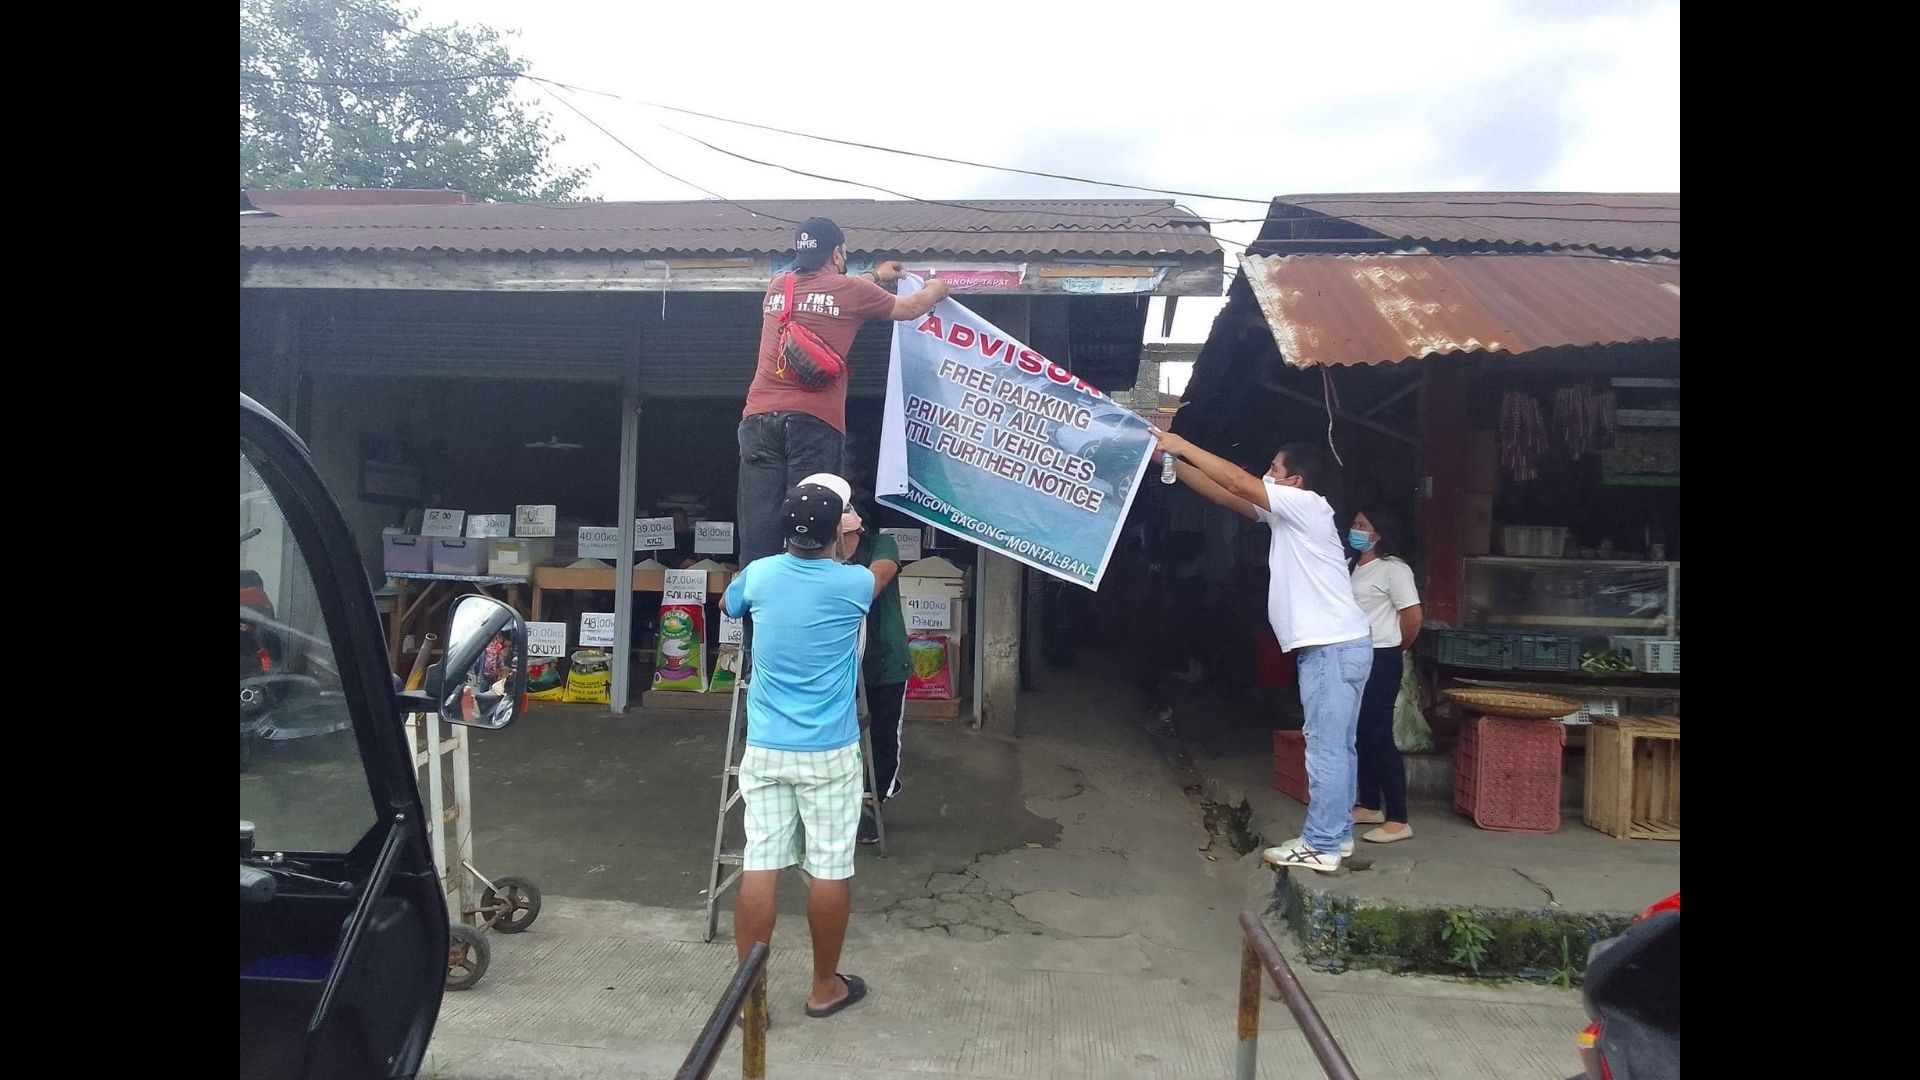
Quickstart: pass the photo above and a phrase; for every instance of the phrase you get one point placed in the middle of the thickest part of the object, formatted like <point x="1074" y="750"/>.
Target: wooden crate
<point x="1633" y="777"/>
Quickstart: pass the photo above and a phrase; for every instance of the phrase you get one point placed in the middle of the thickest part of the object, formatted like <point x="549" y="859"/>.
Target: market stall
<point x="1560" y="589"/>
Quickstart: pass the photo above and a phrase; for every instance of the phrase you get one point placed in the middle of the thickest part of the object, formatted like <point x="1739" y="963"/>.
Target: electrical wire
<point x="558" y="84"/>
<point x="1161" y="230"/>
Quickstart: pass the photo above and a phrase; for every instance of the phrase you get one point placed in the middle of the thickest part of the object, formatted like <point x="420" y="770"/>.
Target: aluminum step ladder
<point x="732" y="861"/>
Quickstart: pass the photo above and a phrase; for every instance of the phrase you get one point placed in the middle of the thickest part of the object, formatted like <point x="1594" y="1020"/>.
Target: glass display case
<point x="1579" y="597"/>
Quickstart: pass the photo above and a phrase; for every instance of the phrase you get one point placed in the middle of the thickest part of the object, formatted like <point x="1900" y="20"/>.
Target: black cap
<point x="810" y="516"/>
<point x="813" y="241"/>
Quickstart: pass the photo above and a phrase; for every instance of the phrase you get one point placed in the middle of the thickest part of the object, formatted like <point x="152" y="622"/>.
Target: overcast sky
<point x="1252" y="99"/>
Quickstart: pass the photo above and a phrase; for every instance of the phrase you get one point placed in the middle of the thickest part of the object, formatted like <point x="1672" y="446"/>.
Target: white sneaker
<point x="1346" y="847"/>
<point x="1282" y="857"/>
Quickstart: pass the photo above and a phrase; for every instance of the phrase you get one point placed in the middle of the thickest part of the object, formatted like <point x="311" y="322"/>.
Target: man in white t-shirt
<point x="1310" y="604"/>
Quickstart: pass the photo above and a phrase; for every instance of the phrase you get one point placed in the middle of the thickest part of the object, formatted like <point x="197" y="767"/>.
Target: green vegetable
<point x="1604" y="662"/>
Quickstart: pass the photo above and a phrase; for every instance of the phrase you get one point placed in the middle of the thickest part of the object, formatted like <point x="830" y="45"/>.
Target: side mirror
<point x="483" y="678"/>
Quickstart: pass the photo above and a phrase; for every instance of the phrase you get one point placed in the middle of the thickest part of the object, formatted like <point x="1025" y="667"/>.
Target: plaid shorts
<point x="788" y="789"/>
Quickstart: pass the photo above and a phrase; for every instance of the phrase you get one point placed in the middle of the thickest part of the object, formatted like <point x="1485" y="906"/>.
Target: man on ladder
<point x="802" y="767"/>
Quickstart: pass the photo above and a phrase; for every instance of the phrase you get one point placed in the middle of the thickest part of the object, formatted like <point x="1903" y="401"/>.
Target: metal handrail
<point x="748" y="990"/>
<point x="1257" y="949"/>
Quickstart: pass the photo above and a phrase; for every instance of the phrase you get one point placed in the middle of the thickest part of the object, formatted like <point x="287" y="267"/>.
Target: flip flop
<point x="856" y="989"/>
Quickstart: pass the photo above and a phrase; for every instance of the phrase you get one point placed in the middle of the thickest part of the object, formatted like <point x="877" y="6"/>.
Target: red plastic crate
<point x="1506" y="774"/>
<point x="1290" y="763"/>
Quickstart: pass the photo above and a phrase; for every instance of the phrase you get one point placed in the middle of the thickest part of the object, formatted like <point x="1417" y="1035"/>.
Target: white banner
<point x="986" y="439"/>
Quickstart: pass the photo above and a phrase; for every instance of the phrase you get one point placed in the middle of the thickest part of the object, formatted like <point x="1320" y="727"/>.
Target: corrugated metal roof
<point x="1610" y="222"/>
<point x="988" y="227"/>
<point x="1382" y="309"/>
<point x="308" y="202"/>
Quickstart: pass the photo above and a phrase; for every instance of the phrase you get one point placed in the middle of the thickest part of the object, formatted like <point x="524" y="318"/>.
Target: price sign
<point x="442" y="522"/>
<point x="486" y="526"/>
<point x="732" y="631"/>
<point x="535" y="520"/>
<point x="684" y="587"/>
<point x="599" y="542"/>
<point x="652" y="534"/>
<point x="546" y="639"/>
<point x="928" y="612"/>
<point x="596" y="630"/>
<point x="909" y="542"/>
<point x="713" y="537"/>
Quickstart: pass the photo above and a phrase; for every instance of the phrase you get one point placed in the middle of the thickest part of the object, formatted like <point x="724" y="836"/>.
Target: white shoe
<point x="1281" y="858"/>
<point x="1346" y="846"/>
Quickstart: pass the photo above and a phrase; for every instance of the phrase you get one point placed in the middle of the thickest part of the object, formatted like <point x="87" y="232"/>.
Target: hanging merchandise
<point x="1523" y="435"/>
<point x="1584" y="418"/>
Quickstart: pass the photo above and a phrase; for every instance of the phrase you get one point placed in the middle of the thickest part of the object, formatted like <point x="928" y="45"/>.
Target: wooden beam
<point x="449" y="271"/>
<point x="1320" y="403"/>
<point x="1384" y="403"/>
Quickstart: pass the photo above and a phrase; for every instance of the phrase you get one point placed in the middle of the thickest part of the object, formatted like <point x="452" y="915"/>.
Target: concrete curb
<point x="1336" y="929"/>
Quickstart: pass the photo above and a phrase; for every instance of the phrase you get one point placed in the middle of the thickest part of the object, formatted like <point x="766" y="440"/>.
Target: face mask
<point x="1359" y="540"/>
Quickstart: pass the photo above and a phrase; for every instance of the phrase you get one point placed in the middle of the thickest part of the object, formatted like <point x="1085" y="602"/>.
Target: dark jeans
<point x="886" y="708"/>
<point x="1383" y="773"/>
<point x="777" y="451"/>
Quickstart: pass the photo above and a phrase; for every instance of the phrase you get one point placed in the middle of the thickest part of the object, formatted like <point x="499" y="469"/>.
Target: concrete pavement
<point x="1053" y="907"/>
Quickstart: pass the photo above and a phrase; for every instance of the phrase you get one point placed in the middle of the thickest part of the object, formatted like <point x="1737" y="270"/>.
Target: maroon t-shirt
<point x="831" y="305"/>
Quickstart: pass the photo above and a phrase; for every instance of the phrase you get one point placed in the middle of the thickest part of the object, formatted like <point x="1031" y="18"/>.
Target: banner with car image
<point x="996" y="444"/>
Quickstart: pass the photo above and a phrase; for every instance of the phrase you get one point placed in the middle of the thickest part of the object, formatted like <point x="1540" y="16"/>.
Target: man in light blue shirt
<point x="802" y="766"/>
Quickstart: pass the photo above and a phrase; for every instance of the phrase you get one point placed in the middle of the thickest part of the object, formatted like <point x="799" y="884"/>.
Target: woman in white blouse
<point x="1383" y="585"/>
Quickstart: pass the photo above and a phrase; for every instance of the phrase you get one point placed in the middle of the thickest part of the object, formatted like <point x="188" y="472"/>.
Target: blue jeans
<point x="777" y="451"/>
<point x="1332" y="679"/>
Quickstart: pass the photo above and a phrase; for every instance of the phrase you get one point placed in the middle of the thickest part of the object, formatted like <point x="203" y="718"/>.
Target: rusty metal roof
<point x="1382" y="309"/>
<point x="984" y="227"/>
<point x="1609" y="222"/>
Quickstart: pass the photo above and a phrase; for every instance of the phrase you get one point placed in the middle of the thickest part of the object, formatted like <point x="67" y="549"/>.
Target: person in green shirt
<point x="886" y="666"/>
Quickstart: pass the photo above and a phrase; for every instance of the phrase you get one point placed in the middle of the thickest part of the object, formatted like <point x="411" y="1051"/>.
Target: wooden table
<point x="601" y="578"/>
<point x="1644" y="690"/>
<point x="410" y="609"/>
